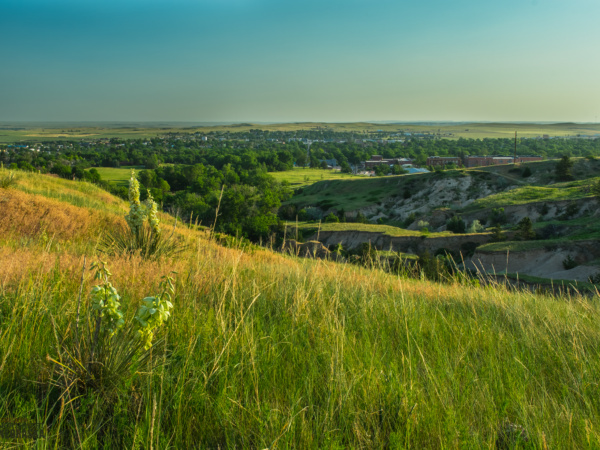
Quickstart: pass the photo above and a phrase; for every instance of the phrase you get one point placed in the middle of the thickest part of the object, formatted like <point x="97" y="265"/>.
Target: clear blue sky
<point x="309" y="60"/>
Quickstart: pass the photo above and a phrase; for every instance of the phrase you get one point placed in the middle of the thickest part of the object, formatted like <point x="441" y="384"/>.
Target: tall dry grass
<point x="270" y="351"/>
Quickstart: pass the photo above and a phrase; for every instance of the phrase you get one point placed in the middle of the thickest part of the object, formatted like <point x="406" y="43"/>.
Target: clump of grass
<point x="8" y="180"/>
<point x="143" y="235"/>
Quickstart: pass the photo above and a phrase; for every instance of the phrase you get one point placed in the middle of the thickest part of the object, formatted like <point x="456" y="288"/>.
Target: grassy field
<point x="531" y="194"/>
<point x="354" y="193"/>
<point x="269" y="351"/>
<point x="117" y="175"/>
<point x="299" y="177"/>
<point x="20" y="133"/>
<point x="368" y="227"/>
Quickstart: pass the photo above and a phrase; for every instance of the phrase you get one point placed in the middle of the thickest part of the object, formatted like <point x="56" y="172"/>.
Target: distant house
<point x="331" y="163"/>
<point x="378" y="160"/>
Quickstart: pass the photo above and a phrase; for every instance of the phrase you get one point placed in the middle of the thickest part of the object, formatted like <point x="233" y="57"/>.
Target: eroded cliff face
<point x="406" y="244"/>
<point x="544" y="262"/>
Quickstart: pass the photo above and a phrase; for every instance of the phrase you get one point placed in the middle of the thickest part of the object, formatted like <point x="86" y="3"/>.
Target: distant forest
<point x="194" y="176"/>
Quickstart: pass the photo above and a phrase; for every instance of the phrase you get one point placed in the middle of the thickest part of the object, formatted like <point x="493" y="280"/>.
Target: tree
<point x="152" y="162"/>
<point x="525" y="229"/>
<point x="456" y="225"/>
<point x="332" y="218"/>
<point x="497" y="233"/>
<point x="345" y="167"/>
<point x="563" y="169"/>
<point x="301" y="159"/>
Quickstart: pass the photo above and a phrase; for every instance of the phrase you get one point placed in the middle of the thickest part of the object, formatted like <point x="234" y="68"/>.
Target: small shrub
<point x="498" y="216"/>
<point x="332" y="218"/>
<point x="468" y="248"/>
<point x="361" y="218"/>
<point x="497" y="234"/>
<point x="476" y="227"/>
<point x="456" y="225"/>
<point x="551" y="231"/>
<point x="571" y="210"/>
<point x="569" y="263"/>
<point x="409" y="220"/>
<point x="544" y="209"/>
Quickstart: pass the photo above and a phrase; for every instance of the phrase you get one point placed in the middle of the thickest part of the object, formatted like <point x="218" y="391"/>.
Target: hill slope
<point x="265" y="350"/>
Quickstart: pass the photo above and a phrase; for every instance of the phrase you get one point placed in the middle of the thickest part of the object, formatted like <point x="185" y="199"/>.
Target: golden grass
<point x="29" y="215"/>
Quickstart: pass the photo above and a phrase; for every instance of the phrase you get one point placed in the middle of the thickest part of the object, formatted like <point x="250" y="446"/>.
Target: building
<point x="377" y="160"/>
<point x="443" y="160"/>
<point x="479" y="161"/>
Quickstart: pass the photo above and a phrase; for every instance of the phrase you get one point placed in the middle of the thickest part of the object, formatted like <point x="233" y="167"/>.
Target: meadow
<point x="117" y="175"/>
<point x="313" y="227"/>
<point x="265" y="350"/>
<point x="305" y="176"/>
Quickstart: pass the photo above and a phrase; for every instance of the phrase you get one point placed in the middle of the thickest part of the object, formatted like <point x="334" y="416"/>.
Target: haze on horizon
<point x="280" y="61"/>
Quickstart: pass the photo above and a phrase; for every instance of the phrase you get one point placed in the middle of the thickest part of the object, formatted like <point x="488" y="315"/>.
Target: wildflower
<point x="154" y="312"/>
<point x="152" y="214"/>
<point x="137" y="213"/>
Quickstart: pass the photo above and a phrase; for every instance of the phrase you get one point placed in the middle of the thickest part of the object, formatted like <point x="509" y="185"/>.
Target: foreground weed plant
<point x="99" y="358"/>
<point x="8" y="180"/>
<point x="143" y="235"/>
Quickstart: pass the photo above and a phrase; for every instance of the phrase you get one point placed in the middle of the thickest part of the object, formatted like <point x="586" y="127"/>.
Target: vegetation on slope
<point x="264" y="350"/>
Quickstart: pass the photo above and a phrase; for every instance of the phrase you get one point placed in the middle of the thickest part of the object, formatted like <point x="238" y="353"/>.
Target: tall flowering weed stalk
<point x="103" y="357"/>
<point x="143" y="235"/>
<point x="154" y="312"/>
<point x="137" y="212"/>
<point x="106" y="301"/>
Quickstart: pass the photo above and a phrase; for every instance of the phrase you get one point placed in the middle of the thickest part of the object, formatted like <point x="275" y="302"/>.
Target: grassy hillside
<point x="497" y="186"/>
<point x="268" y="351"/>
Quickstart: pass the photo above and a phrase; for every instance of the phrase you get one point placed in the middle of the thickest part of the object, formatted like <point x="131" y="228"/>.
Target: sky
<point x="299" y="60"/>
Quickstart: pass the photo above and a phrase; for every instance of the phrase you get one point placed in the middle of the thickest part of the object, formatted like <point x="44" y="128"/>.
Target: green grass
<point x="117" y="175"/>
<point x="371" y="228"/>
<point x="520" y="246"/>
<point x="270" y="351"/>
<point x="529" y="194"/>
<point x="581" y="286"/>
<point x="355" y="193"/>
<point x="298" y="177"/>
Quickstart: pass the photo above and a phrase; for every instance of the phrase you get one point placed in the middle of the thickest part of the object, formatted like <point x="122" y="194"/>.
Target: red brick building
<point x="443" y="160"/>
<point x="479" y="161"/>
